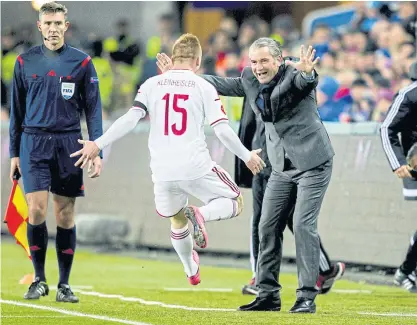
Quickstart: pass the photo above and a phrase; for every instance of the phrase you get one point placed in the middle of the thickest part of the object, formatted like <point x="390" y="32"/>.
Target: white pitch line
<point x="31" y="316"/>
<point x="72" y="313"/>
<point x="149" y="303"/>
<point x="200" y="289"/>
<point x="388" y="314"/>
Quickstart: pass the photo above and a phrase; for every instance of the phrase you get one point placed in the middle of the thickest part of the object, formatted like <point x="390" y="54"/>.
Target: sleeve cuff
<point x="224" y="119"/>
<point x="14" y="153"/>
<point x="309" y="77"/>
<point x="99" y="144"/>
<point x="246" y="156"/>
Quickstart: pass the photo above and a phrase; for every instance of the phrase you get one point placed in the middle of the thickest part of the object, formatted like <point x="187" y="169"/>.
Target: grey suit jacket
<point x="296" y="126"/>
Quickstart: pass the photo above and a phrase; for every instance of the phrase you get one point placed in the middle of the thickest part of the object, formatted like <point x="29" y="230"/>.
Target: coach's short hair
<point x="271" y="44"/>
<point x="186" y="47"/>
<point x="52" y="8"/>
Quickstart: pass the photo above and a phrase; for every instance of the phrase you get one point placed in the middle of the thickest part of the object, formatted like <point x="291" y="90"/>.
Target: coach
<point x="299" y="149"/>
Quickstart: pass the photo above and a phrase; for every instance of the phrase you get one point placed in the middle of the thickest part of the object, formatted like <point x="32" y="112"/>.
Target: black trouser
<point x="410" y="263"/>
<point x="258" y="189"/>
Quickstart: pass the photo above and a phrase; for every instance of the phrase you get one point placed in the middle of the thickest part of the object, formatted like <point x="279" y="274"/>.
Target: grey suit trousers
<point x="311" y="186"/>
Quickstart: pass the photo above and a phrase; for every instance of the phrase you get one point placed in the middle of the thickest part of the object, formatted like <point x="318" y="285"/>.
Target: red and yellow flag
<point x="16" y="217"/>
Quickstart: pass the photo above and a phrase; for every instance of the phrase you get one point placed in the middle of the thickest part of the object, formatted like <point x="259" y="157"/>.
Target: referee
<point x="401" y="121"/>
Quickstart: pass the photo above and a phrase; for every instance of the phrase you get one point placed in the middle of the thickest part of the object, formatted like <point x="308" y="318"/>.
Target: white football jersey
<point x="178" y="102"/>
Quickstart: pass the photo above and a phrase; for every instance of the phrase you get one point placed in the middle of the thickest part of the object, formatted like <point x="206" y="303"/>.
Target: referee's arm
<point x="393" y="125"/>
<point x="17" y="109"/>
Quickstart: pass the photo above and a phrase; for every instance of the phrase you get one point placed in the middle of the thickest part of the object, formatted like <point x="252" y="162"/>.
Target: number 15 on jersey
<point x="174" y="102"/>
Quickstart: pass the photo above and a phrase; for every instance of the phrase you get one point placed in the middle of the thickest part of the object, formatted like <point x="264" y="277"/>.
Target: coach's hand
<point x="94" y="167"/>
<point x="14" y="164"/>
<point x="163" y="62"/>
<point x="89" y="152"/>
<point x="255" y="163"/>
<point x="307" y="61"/>
<point x="403" y="171"/>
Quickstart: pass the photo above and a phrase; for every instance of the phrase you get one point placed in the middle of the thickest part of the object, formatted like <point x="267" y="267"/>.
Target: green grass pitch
<point x="136" y="283"/>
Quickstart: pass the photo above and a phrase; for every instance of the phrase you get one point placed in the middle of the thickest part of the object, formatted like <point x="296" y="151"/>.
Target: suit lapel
<point x="275" y="98"/>
<point x="253" y="93"/>
<point x="252" y="101"/>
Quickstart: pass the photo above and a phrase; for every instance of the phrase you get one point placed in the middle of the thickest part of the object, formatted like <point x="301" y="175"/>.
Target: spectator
<point x="284" y="30"/>
<point x="329" y="110"/>
<point x="363" y="102"/>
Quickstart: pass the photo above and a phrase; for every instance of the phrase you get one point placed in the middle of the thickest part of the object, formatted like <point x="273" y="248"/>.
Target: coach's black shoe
<point x="304" y="305"/>
<point x="64" y="294"/>
<point x="37" y="289"/>
<point x="263" y="304"/>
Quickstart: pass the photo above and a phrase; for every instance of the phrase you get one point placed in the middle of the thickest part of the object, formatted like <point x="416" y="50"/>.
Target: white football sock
<point x="219" y="209"/>
<point x="183" y="244"/>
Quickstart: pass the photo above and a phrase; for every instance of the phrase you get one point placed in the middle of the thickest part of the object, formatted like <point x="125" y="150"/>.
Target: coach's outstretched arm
<point x="306" y="78"/>
<point x="231" y="87"/>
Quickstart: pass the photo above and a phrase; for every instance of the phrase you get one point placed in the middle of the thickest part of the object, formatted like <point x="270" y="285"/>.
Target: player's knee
<point x="179" y="220"/>
<point x="240" y="204"/>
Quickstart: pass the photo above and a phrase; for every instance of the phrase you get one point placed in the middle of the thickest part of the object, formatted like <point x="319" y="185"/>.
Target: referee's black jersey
<point x="401" y="121"/>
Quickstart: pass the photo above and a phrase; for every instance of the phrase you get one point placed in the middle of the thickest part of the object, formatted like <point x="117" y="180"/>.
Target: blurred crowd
<point x="121" y="61"/>
<point x="362" y="65"/>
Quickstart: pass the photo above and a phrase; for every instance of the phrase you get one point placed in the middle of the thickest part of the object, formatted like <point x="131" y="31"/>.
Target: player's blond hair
<point x="186" y="47"/>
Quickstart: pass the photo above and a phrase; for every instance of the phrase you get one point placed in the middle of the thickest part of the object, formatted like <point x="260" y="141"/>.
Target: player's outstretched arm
<point x="232" y="142"/>
<point x="122" y="126"/>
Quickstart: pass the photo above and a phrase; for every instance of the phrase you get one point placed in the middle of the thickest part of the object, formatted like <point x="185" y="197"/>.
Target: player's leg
<point x="183" y="244"/>
<point x="34" y="163"/>
<point x="222" y="199"/>
<point x="170" y="201"/>
<point x="67" y="184"/>
<point x="328" y="272"/>
<point x="406" y="275"/>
